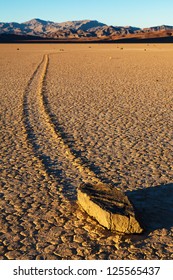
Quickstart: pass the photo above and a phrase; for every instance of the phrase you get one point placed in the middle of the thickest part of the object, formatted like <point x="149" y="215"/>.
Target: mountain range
<point x="79" y="30"/>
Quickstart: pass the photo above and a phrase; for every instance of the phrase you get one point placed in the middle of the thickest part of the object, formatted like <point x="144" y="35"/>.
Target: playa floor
<point x="79" y="112"/>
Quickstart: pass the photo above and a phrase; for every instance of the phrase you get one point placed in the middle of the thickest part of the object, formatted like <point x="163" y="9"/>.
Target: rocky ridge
<point x="79" y="29"/>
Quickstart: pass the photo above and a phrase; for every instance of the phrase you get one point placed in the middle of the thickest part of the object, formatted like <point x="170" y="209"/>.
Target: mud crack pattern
<point x="46" y="152"/>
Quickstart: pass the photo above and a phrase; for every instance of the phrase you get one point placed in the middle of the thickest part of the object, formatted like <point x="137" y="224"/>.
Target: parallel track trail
<point x="48" y="143"/>
<point x="57" y="158"/>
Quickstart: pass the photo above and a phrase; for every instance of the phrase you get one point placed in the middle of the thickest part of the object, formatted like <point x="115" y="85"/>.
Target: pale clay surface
<point x="73" y="115"/>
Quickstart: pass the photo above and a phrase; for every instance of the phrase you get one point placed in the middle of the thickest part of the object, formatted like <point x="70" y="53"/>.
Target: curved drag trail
<point x="79" y="236"/>
<point x="75" y="234"/>
<point x="48" y="143"/>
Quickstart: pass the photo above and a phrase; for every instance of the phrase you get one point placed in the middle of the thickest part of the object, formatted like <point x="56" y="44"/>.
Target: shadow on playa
<point x="154" y="206"/>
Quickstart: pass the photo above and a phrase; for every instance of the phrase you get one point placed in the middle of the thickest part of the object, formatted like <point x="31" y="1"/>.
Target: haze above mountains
<point x="81" y="29"/>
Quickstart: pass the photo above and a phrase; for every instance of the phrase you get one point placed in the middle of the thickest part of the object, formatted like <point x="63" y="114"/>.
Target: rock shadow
<point x="154" y="206"/>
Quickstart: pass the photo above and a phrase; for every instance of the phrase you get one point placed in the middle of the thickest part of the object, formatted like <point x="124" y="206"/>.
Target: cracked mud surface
<point x="98" y="113"/>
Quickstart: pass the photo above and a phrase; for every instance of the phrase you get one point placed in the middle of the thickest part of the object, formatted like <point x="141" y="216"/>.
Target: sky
<point x="137" y="13"/>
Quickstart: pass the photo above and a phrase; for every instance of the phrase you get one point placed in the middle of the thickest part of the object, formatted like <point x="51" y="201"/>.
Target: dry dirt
<point x="72" y="113"/>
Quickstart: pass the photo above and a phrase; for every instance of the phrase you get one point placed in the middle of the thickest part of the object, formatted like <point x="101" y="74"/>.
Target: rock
<point x="109" y="206"/>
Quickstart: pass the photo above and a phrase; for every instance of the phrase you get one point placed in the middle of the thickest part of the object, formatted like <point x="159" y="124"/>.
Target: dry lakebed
<point x="86" y="112"/>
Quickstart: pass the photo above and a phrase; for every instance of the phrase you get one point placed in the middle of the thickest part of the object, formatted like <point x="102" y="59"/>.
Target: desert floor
<point x="109" y="108"/>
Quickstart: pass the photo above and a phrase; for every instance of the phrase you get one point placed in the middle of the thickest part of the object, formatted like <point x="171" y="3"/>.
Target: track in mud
<point x="47" y="137"/>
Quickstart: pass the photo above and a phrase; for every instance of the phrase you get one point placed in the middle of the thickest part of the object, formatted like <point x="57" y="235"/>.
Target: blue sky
<point x="112" y="12"/>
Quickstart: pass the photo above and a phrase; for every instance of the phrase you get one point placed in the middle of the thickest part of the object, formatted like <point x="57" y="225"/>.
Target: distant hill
<point x="78" y="30"/>
<point x="38" y="27"/>
<point x="158" y="28"/>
